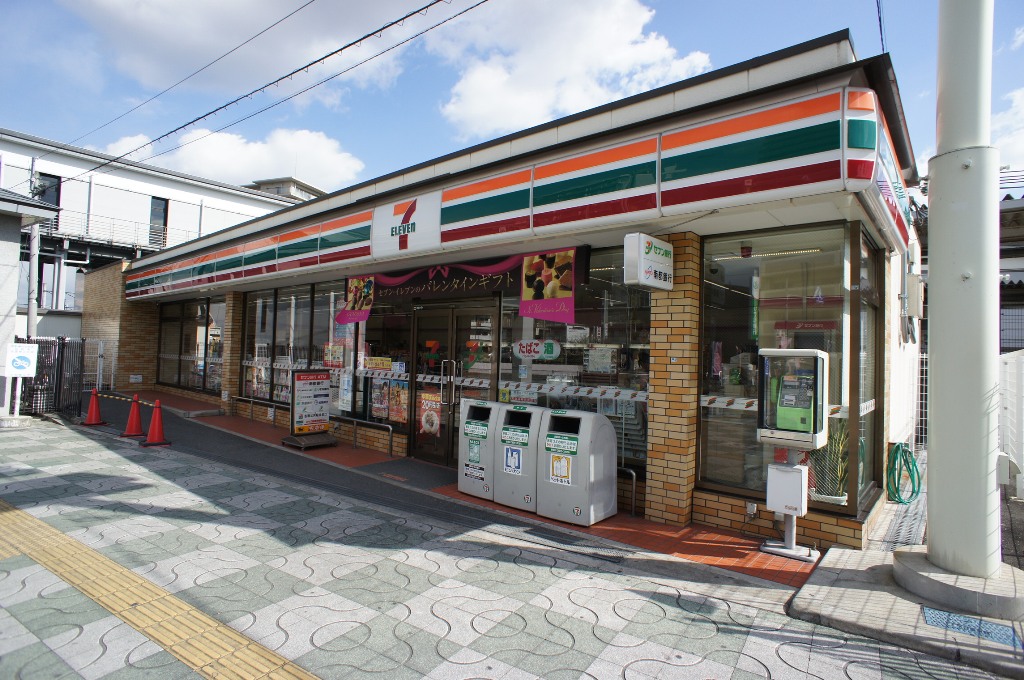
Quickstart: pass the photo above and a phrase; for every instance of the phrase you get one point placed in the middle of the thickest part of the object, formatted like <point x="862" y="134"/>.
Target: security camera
<point x="713" y="268"/>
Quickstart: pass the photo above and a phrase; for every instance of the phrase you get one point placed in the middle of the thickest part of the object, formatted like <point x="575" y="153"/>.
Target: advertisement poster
<point x="344" y="402"/>
<point x="311" y="401"/>
<point x="379" y="397"/>
<point x="398" y="407"/>
<point x="428" y="413"/>
<point x="547" y="286"/>
<point x="359" y="299"/>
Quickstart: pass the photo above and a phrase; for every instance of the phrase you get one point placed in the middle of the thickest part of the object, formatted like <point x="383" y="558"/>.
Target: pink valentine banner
<point x="359" y="292"/>
<point x="548" y="286"/>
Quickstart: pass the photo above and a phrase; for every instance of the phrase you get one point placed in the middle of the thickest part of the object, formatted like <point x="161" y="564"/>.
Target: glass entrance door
<point x="455" y="359"/>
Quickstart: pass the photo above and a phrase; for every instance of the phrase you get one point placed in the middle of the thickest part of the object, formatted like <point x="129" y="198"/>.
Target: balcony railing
<point x="114" y="231"/>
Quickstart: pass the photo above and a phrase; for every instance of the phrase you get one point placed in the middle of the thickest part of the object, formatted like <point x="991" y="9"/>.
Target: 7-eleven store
<point x="497" y="273"/>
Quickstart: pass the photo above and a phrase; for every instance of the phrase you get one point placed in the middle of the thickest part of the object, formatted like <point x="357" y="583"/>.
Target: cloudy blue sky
<point x="71" y="66"/>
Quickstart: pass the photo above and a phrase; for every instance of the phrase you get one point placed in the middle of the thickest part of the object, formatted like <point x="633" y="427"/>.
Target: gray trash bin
<point x="515" y="460"/>
<point x="477" y="437"/>
<point x="576" y="475"/>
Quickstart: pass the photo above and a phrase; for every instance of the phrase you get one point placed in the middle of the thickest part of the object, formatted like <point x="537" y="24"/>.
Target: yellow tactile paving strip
<point x="204" y="644"/>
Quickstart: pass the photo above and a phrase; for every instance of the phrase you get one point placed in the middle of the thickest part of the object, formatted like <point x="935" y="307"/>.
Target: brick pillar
<point x="137" y="348"/>
<point x="673" y="404"/>
<point x="232" y="337"/>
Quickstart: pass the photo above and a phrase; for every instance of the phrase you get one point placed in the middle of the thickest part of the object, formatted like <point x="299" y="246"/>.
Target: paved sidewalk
<point x="122" y="561"/>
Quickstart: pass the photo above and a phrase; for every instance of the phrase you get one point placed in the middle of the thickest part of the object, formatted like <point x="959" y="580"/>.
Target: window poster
<point x="548" y="285"/>
<point x="359" y="299"/>
<point x="398" y="404"/>
<point x="379" y="397"/>
<point x="344" y="397"/>
<point x="428" y="413"/>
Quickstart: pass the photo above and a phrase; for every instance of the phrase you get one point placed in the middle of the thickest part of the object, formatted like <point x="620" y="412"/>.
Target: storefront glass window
<point x="214" y="345"/>
<point x="780" y="290"/>
<point x="291" y="337"/>
<point x="334" y="344"/>
<point x="193" y="344"/>
<point x="259" y="335"/>
<point x="190" y="353"/>
<point x="387" y="335"/>
<point x="600" y="363"/>
<point x="170" y="344"/>
<point x="869" y="303"/>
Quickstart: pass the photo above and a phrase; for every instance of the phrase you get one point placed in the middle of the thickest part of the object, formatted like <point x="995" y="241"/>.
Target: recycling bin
<point x="576" y="474"/>
<point x="515" y="463"/>
<point x="477" y="437"/>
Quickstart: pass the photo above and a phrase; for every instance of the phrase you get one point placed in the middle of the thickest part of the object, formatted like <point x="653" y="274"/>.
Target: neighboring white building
<point x="113" y="209"/>
<point x="287" y="186"/>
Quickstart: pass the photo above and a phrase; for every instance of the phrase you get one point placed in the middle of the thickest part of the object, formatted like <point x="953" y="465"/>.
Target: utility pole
<point x="963" y="262"/>
<point x="33" y="263"/>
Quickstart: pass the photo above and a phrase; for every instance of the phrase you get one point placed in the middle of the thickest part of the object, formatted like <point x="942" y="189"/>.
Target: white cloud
<point x="128" y="145"/>
<point x="158" y="42"/>
<point x="1018" y="38"/>
<point x="551" y="59"/>
<point x="1008" y="131"/>
<point x="304" y="154"/>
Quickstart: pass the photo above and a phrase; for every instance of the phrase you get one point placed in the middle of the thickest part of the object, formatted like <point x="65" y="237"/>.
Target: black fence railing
<point x="57" y="385"/>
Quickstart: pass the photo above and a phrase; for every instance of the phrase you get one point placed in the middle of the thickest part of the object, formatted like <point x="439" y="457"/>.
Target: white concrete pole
<point x="963" y="328"/>
<point x="33" y="280"/>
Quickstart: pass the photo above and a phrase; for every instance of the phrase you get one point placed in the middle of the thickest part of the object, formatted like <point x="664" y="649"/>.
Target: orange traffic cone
<point x="156" y="428"/>
<point x="134" y="428"/>
<point x="93" y="418"/>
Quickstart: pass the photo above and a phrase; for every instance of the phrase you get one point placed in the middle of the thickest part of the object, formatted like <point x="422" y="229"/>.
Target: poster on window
<point x="428" y="413"/>
<point x="358" y="300"/>
<point x="398" y="405"/>
<point x="379" y="397"/>
<point x="548" y="282"/>
<point x="344" y="398"/>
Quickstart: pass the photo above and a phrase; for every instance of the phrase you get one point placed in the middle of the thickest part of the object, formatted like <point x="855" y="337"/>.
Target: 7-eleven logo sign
<point x="406" y="226"/>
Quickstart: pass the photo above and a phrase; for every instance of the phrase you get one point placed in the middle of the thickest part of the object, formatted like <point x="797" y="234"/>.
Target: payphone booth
<point x="792" y="413"/>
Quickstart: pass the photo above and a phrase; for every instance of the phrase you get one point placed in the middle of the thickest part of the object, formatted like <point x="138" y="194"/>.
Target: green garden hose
<point x="901" y="460"/>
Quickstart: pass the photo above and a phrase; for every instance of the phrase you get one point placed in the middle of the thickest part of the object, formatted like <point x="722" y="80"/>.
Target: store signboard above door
<point x="647" y="262"/>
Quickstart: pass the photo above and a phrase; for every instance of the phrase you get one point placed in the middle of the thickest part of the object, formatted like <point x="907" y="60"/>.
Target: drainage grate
<point x="972" y="625"/>
<point x="908" y="524"/>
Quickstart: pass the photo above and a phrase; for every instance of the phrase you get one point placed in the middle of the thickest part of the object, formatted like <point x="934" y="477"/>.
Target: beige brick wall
<point x="132" y="327"/>
<point x="673" y="406"/>
<point x="816" y="529"/>
<point x="101" y="306"/>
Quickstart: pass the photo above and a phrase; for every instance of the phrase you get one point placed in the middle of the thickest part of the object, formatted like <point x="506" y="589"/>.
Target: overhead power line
<point x="316" y="84"/>
<point x="197" y="71"/>
<point x="287" y="76"/>
<point x="375" y="33"/>
<point x="190" y="75"/>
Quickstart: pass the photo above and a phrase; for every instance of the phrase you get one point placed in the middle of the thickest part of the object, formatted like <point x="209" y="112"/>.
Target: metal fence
<point x="99" y="364"/>
<point x="1011" y="413"/>
<point x="921" y="421"/>
<point x="57" y="385"/>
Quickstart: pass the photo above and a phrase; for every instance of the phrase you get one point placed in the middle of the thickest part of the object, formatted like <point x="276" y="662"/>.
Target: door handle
<point x="443" y="384"/>
<point x="456" y="372"/>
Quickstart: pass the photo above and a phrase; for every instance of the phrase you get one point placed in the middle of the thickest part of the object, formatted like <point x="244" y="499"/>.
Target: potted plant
<point x="829" y="465"/>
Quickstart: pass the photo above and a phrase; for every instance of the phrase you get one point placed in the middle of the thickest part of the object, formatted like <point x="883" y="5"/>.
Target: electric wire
<point x="901" y="461"/>
<point x="316" y="84"/>
<point x="197" y="71"/>
<point x="189" y="76"/>
<point x="374" y="33"/>
<point x="881" y="25"/>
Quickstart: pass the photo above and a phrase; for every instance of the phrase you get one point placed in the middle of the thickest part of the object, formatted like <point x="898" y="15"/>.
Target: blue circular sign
<point x="21" y="362"/>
